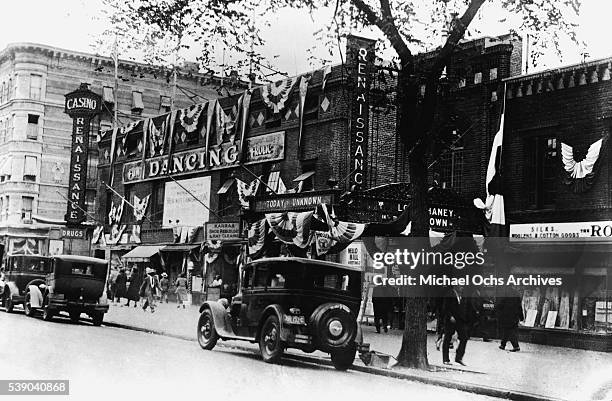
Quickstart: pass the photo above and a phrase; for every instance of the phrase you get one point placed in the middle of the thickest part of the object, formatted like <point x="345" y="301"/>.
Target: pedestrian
<point x="181" y="290"/>
<point x="164" y="284"/>
<point x="455" y="312"/>
<point x="121" y="286"/>
<point x="149" y="289"/>
<point x="509" y="314"/>
<point x="112" y="284"/>
<point x="383" y="303"/>
<point x="134" y="287"/>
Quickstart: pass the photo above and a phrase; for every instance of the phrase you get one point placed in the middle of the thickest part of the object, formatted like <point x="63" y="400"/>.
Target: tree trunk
<point x="414" y="341"/>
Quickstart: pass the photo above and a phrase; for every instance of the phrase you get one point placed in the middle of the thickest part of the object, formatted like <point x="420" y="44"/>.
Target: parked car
<point x="75" y="284"/>
<point x="290" y="303"/>
<point x="21" y="272"/>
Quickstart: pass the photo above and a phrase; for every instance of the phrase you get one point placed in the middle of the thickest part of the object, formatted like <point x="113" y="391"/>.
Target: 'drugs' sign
<point x="360" y="60"/>
<point x="82" y="105"/>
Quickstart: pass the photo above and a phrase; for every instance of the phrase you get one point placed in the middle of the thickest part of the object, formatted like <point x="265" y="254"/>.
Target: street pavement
<point x="107" y="363"/>
<point x="553" y="372"/>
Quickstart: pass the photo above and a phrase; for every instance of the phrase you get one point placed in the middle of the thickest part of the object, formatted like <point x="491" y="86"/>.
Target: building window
<point x="29" y="169"/>
<point x="137" y="105"/>
<point x="494" y="96"/>
<point x="10" y="127"/>
<point x="32" y="131"/>
<point x="165" y="104"/>
<point x="478" y="77"/>
<point x="108" y="95"/>
<point x="3" y="130"/>
<point x="541" y="169"/>
<point x="157" y="203"/>
<point x="311" y="107"/>
<point x="35" y="86"/>
<point x="5" y="207"/>
<point x="493" y="74"/>
<point x="3" y="97"/>
<point x="5" y="169"/>
<point x="10" y="89"/>
<point x="26" y="207"/>
<point x="451" y="166"/>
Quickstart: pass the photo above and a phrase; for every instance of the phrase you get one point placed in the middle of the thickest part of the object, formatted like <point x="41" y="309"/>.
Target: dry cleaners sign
<point x="263" y="148"/>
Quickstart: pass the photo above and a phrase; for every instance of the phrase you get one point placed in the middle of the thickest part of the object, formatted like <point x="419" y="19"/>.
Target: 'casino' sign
<point x="82" y="105"/>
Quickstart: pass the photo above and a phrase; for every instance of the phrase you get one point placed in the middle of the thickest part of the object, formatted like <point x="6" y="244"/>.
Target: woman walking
<point x="120" y="286"/>
<point x="181" y="290"/>
<point x="133" y="291"/>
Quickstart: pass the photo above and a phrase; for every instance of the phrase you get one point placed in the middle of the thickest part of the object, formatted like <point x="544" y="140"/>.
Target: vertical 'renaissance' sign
<point x="82" y="105"/>
<point x="360" y="59"/>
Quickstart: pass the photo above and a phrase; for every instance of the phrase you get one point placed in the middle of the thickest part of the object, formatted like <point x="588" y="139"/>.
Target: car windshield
<point x="30" y="264"/>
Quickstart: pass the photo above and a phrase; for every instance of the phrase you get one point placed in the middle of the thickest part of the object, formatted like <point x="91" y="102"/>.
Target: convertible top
<point x="79" y="259"/>
<point x="310" y="262"/>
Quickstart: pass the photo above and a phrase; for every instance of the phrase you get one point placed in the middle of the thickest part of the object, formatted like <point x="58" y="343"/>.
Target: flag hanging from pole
<point x="494" y="203"/>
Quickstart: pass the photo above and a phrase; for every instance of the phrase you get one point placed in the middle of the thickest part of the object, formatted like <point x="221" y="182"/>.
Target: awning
<point x="179" y="247"/>
<point x="142" y="253"/>
<point x="303" y="176"/>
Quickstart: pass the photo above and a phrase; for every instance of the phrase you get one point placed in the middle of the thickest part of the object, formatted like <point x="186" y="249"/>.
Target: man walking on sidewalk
<point x="455" y="312"/>
<point x="148" y="289"/>
<point x="509" y="314"/>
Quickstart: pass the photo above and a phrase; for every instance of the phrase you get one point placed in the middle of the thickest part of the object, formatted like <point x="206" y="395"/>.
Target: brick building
<point x="35" y="133"/>
<point x="211" y="154"/>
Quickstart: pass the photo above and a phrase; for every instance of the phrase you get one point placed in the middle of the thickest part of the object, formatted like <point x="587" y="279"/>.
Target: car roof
<point x="78" y="258"/>
<point x="311" y="262"/>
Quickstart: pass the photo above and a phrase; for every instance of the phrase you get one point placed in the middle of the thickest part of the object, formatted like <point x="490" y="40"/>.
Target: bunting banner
<point x="115" y="234"/>
<point x="132" y="141"/>
<point x="190" y="117"/>
<point x="204" y="117"/>
<point x="97" y="234"/>
<point x="303" y="92"/>
<point x="276" y="94"/>
<point x="135" y="234"/>
<point x="342" y="231"/>
<point x="211" y="113"/>
<point x="140" y="207"/>
<point x="282" y="226"/>
<point x="115" y="213"/>
<point x="157" y="135"/>
<point x="245" y="191"/>
<point x="257" y="235"/>
<point x="580" y="174"/>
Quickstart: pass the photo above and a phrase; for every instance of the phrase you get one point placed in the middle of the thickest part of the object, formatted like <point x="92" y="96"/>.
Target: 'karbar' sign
<point x="82" y="105"/>
<point x="360" y="59"/>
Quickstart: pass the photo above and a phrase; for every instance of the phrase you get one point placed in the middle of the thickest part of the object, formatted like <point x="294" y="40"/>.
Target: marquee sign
<point x="575" y="231"/>
<point x="263" y="148"/>
<point x="82" y="105"/>
<point x="293" y="202"/>
<point x="360" y="60"/>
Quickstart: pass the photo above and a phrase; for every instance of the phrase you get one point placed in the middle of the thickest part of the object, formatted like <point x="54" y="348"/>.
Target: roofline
<point x="305" y="260"/>
<point x="559" y="70"/>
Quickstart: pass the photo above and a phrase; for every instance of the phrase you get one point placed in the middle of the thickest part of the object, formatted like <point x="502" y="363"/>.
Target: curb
<point x="453" y="384"/>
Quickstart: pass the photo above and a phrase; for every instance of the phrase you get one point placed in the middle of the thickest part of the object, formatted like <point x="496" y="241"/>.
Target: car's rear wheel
<point x="343" y="359"/>
<point x="270" y="344"/>
<point x="8" y="302"/>
<point x="48" y="312"/>
<point x="27" y="305"/>
<point x="207" y="335"/>
<point x="74" y="315"/>
<point x="97" y="318"/>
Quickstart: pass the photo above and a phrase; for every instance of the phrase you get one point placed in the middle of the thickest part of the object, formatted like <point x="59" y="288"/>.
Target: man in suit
<point x="149" y="288"/>
<point x="509" y="313"/>
<point x="456" y="313"/>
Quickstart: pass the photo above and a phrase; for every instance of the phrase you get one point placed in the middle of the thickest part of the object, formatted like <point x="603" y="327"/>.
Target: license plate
<point x="294" y="319"/>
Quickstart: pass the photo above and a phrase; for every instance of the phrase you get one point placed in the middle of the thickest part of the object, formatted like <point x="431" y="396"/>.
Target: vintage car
<point x="75" y="284"/>
<point x="290" y="303"/>
<point x="21" y="272"/>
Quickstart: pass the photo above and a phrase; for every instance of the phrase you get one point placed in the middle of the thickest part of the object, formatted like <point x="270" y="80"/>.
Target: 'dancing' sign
<point x="82" y="105"/>
<point x="360" y="59"/>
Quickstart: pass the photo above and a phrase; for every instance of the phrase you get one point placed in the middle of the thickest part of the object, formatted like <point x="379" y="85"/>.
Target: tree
<point x="400" y="26"/>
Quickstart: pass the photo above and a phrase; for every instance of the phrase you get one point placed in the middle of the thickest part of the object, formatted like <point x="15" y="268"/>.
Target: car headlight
<point x="335" y="327"/>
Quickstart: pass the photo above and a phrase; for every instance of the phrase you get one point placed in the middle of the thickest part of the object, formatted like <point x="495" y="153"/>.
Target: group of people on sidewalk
<point x="461" y="312"/>
<point x="146" y="290"/>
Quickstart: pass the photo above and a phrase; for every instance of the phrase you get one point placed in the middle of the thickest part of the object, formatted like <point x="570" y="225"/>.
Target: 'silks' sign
<point x="82" y="105"/>
<point x="360" y="59"/>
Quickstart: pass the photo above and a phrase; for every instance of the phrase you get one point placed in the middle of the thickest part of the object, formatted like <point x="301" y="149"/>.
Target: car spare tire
<point x="333" y="327"/>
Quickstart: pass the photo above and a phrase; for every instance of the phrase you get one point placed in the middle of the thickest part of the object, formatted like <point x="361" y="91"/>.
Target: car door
<point x="257" y="300"/>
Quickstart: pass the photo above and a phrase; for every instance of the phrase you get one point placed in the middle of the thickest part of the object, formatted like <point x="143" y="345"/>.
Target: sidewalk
<point x="539" y="370"/>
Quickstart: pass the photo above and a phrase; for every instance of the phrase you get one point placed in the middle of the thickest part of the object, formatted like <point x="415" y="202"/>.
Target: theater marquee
<point x="259" y="149"/>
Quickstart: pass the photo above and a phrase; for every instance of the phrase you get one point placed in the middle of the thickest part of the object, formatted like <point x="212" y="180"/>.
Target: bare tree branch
<point x="392" y="33"/>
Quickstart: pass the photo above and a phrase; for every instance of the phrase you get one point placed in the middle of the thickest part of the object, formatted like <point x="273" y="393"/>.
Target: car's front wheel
<point x="97" y="318"/>
<point x="8" y="302"/>
<point x="270" y="344"/>
<point x="27" y="305"/>
<point x="343" y="359"/>
<point x="207" y="335"/>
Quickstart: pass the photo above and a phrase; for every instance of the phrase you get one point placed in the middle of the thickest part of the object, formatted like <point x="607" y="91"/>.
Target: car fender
<point x="279" y="312"/>
<point x="36" y="297"/>
<point x="221" y="318"/>
<point x="12" y="288"/>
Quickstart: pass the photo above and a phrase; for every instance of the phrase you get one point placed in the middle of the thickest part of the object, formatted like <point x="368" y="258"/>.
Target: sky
<point x="75" y="24"/>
